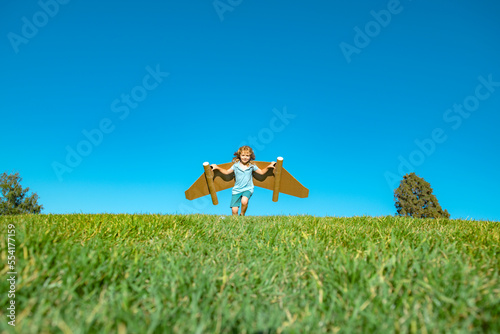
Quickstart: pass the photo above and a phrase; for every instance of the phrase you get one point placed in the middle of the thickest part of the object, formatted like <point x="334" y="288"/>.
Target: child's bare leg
<point x="234" y="210"/>
<point x="244" y="205"/>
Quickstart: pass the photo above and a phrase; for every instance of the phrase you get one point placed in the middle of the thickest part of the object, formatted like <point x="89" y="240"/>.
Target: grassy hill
<point x="278" y="274"/>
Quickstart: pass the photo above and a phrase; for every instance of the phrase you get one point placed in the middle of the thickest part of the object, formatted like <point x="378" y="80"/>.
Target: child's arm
<point x="222" y="170"/>
<point x="264" y="171"/>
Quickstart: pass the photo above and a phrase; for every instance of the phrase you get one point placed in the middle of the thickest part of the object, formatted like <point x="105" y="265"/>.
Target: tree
<point x="14" y="199"/>
<point x="414" y="198"/>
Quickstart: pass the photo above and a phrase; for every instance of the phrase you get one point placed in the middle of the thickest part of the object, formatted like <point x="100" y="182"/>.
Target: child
<point x="243" y="185"/>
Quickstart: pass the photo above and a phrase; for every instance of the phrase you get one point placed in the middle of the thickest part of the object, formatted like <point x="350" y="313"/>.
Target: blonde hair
<point x="242" y="149"/>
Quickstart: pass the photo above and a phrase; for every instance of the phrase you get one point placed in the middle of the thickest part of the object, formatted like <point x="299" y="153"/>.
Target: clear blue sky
<point x="113" y="106"/>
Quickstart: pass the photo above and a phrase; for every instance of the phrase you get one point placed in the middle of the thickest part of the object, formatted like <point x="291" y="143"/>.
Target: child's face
<point x="245" y="157"/>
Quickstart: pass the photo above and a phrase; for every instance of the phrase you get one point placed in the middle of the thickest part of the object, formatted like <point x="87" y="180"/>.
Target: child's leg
<point x="235" y="204"/>
<point x="244" y="201"/>
<point x="244" y="205"/>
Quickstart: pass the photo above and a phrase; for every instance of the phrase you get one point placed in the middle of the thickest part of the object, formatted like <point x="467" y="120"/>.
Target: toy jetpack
<point x="277" y="179"/>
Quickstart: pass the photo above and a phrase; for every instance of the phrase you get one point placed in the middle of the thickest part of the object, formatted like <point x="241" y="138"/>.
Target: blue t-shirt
<point x="243" y="178"/>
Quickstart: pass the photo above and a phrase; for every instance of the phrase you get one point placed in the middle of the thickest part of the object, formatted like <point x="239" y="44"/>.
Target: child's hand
<point x="271" y="165"/>
<point x="214" y="166"/>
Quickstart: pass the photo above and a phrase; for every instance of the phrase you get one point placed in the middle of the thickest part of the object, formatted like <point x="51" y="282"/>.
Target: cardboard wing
<point x="277" y="179"/>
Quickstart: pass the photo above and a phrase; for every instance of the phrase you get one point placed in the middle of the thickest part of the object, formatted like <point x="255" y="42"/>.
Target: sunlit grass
<point x="216" y="274"/>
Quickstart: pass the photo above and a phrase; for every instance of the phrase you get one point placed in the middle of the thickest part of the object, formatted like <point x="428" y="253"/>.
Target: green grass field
<point x="278" y="274"/>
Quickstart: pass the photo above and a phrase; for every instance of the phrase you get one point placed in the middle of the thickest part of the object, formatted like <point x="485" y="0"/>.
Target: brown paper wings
<point x="277" y="179"/>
